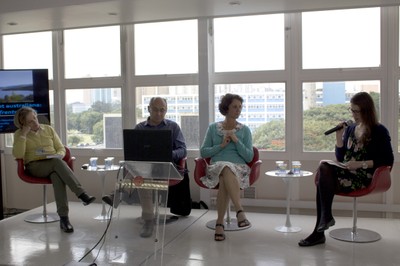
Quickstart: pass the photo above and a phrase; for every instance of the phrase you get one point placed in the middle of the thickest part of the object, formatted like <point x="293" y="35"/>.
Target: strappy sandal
<point x="219" y="237"/>
<point x="242" y="223"/>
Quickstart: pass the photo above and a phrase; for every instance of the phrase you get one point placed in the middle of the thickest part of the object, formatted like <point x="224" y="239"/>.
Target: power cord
<point x="102" y="238"/>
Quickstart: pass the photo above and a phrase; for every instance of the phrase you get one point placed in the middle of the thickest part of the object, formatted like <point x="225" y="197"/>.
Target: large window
<point x="169" y="49"/>
<point x="325" y="104"/>
<point x="341" y="38"/>
<point x="93" y="52"/>
<point x="166" y="48"/>
<point x="253" y="44"/>
<point x="337" y="39"/>
<point x="30" y="50"/>
<point x="93" y="115"/>
<point x="249" y="43"/>
<point x="263" y="111"/>
<point x="94" y="118"/>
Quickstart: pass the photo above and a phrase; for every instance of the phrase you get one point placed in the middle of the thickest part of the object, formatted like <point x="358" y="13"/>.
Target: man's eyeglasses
<point x="156" y="110"/>
<point x="354" y="111"/>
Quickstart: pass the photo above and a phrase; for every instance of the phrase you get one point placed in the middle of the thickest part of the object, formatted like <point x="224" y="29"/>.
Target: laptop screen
<point x="147" y="145"/>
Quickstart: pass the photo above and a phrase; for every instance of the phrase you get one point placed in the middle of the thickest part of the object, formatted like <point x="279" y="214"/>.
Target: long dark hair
<point x="367" y="112"/>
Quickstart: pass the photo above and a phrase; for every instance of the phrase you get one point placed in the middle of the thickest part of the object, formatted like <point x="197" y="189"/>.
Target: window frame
<point x="388" y="74"/>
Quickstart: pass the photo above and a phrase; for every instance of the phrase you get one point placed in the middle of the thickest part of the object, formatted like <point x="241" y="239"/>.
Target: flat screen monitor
<point x="147" y="145"/>
<point x="23" y="87"/>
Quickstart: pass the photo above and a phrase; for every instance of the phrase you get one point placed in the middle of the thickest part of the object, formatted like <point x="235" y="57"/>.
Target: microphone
<point x="347" y="123"/>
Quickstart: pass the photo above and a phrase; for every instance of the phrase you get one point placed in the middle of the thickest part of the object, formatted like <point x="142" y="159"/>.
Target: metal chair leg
<point x="43" y="217"/>
<point x="355" y="234"/>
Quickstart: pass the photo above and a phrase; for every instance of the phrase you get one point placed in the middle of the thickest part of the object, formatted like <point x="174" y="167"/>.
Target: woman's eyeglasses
<point x="354" y="111"/>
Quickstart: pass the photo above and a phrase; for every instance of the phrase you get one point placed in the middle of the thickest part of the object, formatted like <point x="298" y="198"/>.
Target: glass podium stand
<point x="140" y="203"/>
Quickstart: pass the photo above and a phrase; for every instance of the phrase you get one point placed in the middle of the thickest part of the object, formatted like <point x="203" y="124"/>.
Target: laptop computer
<point x="147" y="145"/>
<point x="154" y="149"/>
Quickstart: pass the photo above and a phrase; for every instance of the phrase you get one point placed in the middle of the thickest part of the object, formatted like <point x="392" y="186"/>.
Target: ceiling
<point x="17" y="16"/>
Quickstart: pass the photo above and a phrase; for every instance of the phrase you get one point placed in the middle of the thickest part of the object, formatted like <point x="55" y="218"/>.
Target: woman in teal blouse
<point x="229" y="145"/>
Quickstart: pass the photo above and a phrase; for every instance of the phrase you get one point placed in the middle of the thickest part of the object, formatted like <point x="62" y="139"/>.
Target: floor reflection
<point x="187" y="241"/>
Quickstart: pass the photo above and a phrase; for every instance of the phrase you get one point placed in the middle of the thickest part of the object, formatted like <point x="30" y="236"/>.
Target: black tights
<point x="327" y="185"/>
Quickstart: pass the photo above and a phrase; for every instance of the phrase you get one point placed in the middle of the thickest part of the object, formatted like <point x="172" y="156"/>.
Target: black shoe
<point x="310" y="241"/>
<point x="147" y="229"/>
<point x="65" y="225"/>
<point x="109" y="199"/>
<point x="86" y="199"/>
<point x="325" y="225"/>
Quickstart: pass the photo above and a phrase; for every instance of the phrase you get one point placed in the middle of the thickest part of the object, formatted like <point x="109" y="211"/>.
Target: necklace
<point x="228" y="126"/>
<point x="359" y="133"/>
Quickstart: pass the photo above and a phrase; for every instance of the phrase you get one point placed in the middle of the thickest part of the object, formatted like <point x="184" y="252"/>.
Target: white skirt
<point x="213" y="171"/>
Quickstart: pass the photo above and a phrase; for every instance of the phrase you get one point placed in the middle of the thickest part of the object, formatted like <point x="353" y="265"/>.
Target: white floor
<point x="187" y="241"/>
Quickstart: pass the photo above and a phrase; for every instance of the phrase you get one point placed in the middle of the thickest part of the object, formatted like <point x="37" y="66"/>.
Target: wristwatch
<point x="364" y="165"/>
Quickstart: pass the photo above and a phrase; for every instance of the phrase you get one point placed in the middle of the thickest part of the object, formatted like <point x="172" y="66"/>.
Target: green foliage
<point x="102" y="107"/>
<point x="271" y="135"/>
<point x="74" y="121"/>
<point x="13" y="98"/>
<point x="317" y="120"/>
<point x="90" y="121"/>
<point x="376" y="98"/>
<point x="98" y="133"/>
<point x="333" y="112"/>
<point x="74" y="140"/>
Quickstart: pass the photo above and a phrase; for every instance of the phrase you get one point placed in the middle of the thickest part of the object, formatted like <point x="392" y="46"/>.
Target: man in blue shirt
<point x="179" y="195"/>
<point x="157" y="109"/>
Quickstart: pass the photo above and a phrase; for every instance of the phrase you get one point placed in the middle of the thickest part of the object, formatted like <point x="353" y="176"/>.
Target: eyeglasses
<point x="32" y="121"/>
<point x="354" y="111"/>
<point x="156" y="110"/>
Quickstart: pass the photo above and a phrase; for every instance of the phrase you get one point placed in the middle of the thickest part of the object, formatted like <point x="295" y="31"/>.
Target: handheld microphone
<point x="347" y="123"/>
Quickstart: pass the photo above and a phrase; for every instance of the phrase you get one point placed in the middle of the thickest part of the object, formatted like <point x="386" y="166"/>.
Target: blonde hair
<point x="21" y="114"/>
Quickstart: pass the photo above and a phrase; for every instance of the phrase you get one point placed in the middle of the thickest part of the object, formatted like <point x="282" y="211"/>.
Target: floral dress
<point x="356" y="179"/>
<point x="213" y="171"/>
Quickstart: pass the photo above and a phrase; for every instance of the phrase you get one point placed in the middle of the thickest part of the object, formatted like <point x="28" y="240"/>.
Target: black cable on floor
<point x="102" y="238"/>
